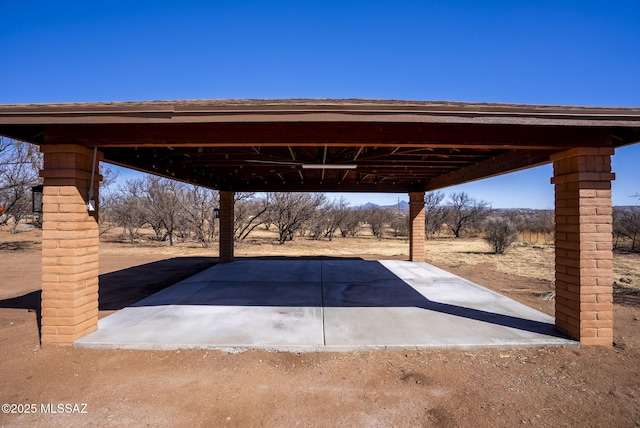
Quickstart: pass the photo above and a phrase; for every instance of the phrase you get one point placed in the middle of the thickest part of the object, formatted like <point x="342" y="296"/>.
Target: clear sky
<point x="538" y="52"/>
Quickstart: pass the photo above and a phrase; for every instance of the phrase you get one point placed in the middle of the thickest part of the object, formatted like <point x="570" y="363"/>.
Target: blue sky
<point x="542" y="52"/>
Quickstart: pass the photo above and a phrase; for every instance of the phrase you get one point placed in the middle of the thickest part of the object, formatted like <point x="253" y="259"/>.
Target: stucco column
<point x="416" y="227"/>
<point x="69" y="245"/>
<point x="226" y="226"/>
<point x="583" y="242"/>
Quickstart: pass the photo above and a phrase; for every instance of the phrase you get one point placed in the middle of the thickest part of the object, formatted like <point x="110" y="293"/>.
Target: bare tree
<point x="339" y="210"/>
<point x="106" y="198"/>
<point x="164" y="206"/>
<point x="540" y="223"/>
<point x="290" y="211"/>
<point x="378" y="218"/>
<point x="500" y="233"/>
<point x="399" y="223"/>
<point x="544" y="224"/>
<point x="618" y="234"/>
<point x="21" y="163"/>
<point x="434" y="213"/>
<point x="465" y="213"/>
<point x="199" y="205"/>
<point x="351" y="222"/>
<point x="126" y="208"/>
<point x="5" y="144"/>
<point x="328" y="219"/>
<point x="626" y="227"/>
<point x="250" y="212"/>
<point x="532" y="224"/>
<point x="317" y="225"/>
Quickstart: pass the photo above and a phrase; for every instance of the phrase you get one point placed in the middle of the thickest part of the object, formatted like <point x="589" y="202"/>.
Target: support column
<point x="416" y="227"/>
<point x="69" y="245"/>
<point x="583" y="242"/>
<point x="226" y="226"/>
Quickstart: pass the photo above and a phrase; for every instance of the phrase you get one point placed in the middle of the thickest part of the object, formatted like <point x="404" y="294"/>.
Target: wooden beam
<point x="340" y="134"/>
<point x="308" y="186"/>
<point x="498" y="165"/>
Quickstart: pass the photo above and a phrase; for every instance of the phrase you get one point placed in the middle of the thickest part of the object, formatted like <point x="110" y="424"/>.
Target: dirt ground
<point x="545" y="387"/>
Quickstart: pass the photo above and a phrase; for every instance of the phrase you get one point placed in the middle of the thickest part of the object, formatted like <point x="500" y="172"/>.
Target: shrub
<point x="500" y="233"/>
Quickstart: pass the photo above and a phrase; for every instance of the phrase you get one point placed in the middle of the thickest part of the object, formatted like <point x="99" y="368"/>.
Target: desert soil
<point x="543" y="386"/>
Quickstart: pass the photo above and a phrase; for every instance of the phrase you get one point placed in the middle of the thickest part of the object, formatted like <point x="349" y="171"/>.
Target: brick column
<point x="416" y="227"/>
<point x="69" y="245"/>
<point x="583" y="241"/>
<point x="226" y="226"/>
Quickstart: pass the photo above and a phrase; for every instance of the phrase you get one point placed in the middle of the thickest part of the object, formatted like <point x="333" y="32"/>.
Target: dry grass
<point x="626" y="272"/>
<point x="528" y="261"/>
<point x="524" y="260"/>
<point x="264" y="243"/>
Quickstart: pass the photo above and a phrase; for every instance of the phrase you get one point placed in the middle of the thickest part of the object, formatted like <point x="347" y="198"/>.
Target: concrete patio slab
<point x="324" y="305"/>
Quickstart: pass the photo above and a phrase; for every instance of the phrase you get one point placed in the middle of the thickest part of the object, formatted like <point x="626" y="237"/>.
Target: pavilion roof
<point x="322" y="144"/>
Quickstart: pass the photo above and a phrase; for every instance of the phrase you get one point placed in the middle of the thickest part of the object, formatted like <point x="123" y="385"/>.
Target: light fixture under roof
<point x="328" y="166"/>
<point x="294" y="164"/>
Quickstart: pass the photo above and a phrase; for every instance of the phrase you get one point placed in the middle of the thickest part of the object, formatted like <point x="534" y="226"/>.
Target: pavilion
<point x="324" y="145"/>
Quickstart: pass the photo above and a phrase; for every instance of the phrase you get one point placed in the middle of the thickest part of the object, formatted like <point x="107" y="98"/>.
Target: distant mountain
<point x="369" y="205"/>
<point x="402" y="206"/>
